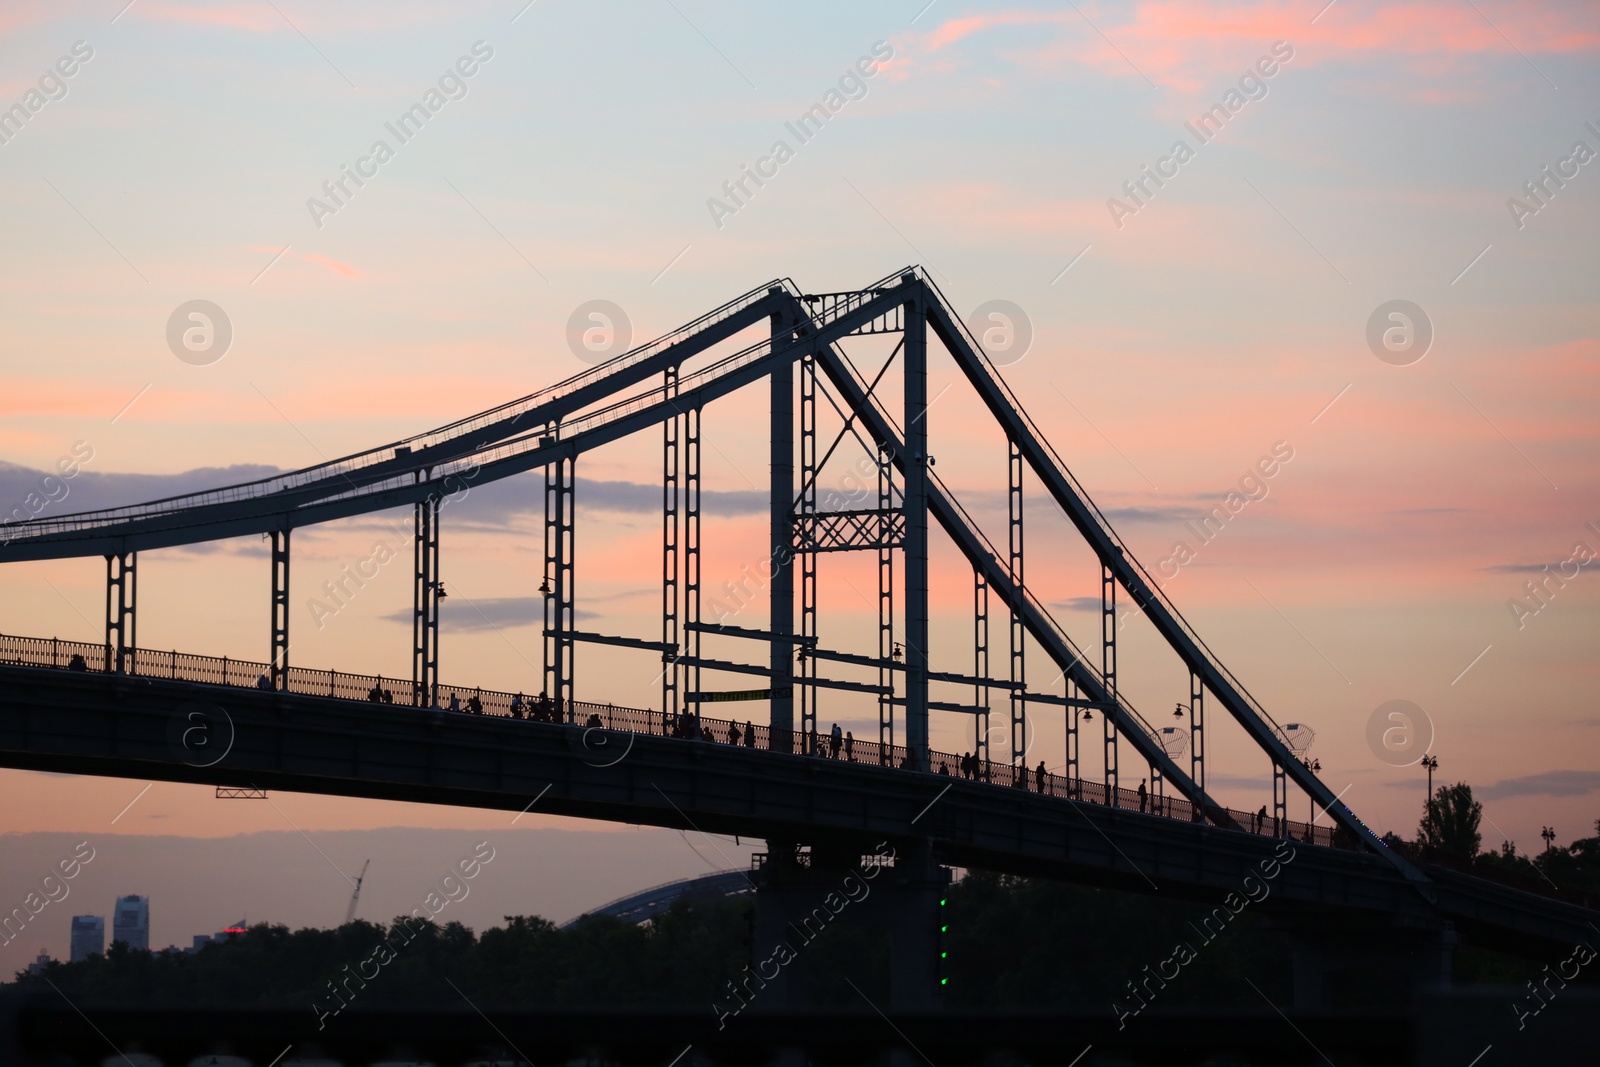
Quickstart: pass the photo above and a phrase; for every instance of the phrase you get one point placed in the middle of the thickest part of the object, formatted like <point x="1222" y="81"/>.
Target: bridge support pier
<point x="800" y="896"/>
<point x="1342" y="963"/>
<point x="912" y="903"/>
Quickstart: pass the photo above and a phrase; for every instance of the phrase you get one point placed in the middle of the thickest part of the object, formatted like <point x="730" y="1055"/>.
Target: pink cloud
<point x="254" y="18"/>
<point x="333" y="266"/>
<point x="1184" y="45"/>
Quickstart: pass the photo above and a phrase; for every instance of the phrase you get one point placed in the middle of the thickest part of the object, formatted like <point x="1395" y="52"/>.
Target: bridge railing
<point x="224" y="671"/>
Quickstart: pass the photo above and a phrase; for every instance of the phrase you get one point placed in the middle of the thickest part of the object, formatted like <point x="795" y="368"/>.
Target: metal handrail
<point x="226" y="673"/>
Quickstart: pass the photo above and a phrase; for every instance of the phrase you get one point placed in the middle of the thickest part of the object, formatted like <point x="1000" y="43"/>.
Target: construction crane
<point x="350" y="912"/>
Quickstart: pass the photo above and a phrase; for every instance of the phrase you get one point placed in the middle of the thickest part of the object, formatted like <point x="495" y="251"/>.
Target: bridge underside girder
<point x="120" y="726"/>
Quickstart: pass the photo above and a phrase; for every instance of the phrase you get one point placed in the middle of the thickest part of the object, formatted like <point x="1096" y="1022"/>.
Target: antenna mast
<point x="350" y="912"/>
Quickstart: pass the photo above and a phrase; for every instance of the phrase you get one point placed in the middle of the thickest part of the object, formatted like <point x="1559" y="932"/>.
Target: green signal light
<point x="943" y="929"/>
<point x="944" y="955"/>
<point x="942" y="903"/>
<point x="944" y="981"/>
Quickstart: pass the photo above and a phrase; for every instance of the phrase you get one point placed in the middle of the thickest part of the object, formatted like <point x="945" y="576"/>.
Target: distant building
<point x="88" y="936"/>
<point x="202" y="940"/>
<point x="131" y="925"/>
<point x="39" y="964"/>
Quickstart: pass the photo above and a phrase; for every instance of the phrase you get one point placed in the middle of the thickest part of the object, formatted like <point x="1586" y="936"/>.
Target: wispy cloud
<point x="1546" y="784"/>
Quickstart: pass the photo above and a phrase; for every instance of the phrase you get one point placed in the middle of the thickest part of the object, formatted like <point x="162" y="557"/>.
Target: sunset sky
<point x="1183" y="329"/>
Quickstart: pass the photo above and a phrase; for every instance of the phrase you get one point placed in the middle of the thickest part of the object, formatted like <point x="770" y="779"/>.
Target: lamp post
<point x="1432" y="763"/>
<point x="1315" y="767"/>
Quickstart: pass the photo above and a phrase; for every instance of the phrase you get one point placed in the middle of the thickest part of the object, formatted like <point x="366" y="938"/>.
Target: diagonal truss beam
<point x="1006" y="411"/>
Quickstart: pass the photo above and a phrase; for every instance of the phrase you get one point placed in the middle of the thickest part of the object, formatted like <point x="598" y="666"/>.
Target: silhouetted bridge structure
<point x="126" y="711"/>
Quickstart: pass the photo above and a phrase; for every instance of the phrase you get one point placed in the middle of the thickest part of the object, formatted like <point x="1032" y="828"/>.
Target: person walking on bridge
<point x="835" y="741"/>
<point x="1144" y="796"/>
<point x="733" y="733"/>
<point x="749" y="734"/>
<point x="849" y="746"/>
<point x="1039" y="776"/>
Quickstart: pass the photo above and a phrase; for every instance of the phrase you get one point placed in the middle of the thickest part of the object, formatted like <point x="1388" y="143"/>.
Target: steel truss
<point x="596" y="407"/>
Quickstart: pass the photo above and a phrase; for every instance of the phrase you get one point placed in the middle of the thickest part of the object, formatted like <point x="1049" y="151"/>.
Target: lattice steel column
<point x="1019" y="633"/>
<point x="1197" y="736"/>
<point x="280" y="610"/>
<point x="691" y="551"/>
<point x="121" y="599"/>
<point x="1074" y="771"/>
<point x="916" y="537"/>
<point x="425" y="593"/>
<point x="1108" y="668"/>
<point x="558" y="552"/>
<point x="671" y="455"/>
<point x="886" y="673"/>
<point x="980" y="666"/>
<point x="808" y="553"/>
<point x="780" y="559"/>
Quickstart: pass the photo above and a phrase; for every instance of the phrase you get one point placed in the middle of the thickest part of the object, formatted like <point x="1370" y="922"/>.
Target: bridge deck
<point x="245" y="674"/>
<point x="93" y="722"/>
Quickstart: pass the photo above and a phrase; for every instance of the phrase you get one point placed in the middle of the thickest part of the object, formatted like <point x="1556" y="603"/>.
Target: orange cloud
<point x="333" y="265"/>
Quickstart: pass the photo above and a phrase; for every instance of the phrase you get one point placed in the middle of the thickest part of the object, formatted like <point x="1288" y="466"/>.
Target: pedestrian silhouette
<point x="849" y="746"/>
<point x="455" y="702"/>
<point x="77" y="663"/>
<point x="749" y="734"/>
<point x="1039" y="776"/>
<point x="835" y="739"/>
<point x="1144" y="796"/>
<point x="1261" y="818"/>
<point x="733" y="733"/>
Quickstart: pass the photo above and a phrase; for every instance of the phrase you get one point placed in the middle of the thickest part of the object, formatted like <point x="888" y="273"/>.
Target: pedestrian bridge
<point x="123" y="710"/>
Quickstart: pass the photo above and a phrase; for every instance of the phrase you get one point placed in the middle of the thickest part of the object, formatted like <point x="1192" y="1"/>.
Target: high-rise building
<point x="131" y="925"/>
<point x="88" y="936"/>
